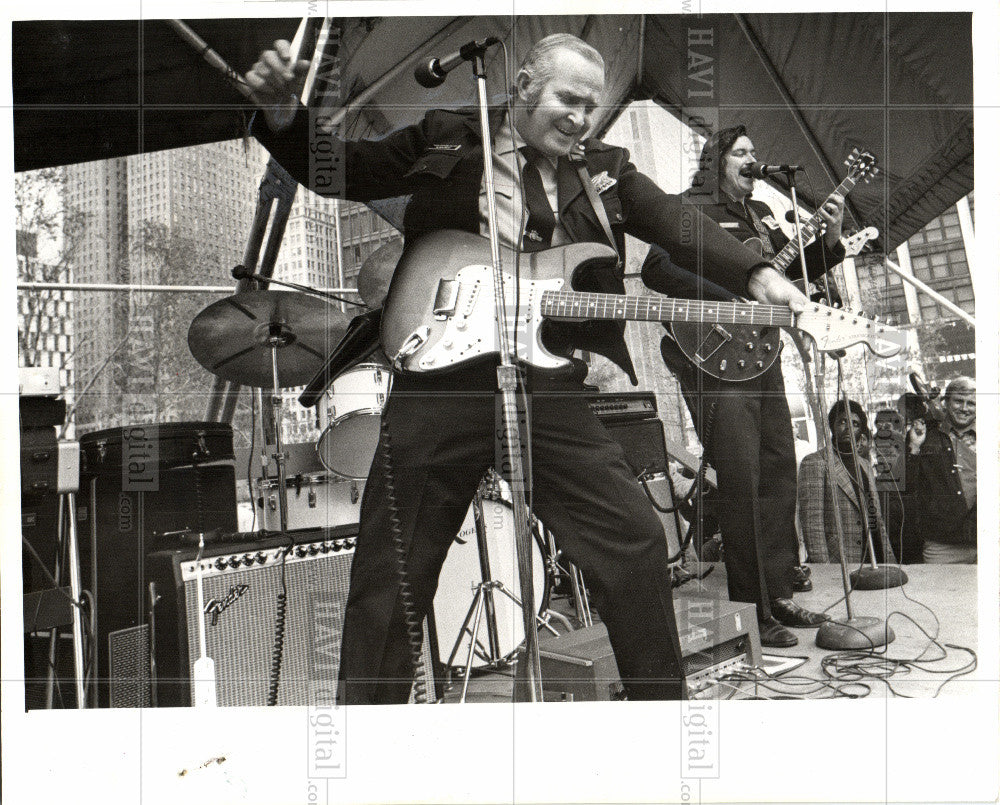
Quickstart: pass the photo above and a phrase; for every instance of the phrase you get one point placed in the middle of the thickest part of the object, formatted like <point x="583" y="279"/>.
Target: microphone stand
<point x="507" y="386"/>
<point x="856" y="632"/>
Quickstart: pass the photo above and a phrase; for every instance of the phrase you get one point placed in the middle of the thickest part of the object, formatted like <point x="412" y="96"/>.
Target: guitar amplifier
<point x="241" y="582"/>
<point x="623" y="406"/>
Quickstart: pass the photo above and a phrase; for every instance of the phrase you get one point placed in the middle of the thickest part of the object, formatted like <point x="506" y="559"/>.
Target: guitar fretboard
<point x="783" y="259"/>
<point x="576" y="305"/>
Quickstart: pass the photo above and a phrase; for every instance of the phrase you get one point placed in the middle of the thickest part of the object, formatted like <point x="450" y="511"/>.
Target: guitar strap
<point x="765" y="236"/>
<point x="597" y="205"/>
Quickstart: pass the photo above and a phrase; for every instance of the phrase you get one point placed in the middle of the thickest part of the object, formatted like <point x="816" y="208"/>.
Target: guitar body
<point x="440" y="311"/>
<point x="731" y="352"/>
<point x="735" y="353"/>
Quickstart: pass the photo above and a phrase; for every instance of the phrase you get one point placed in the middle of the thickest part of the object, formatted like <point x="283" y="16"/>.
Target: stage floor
<point x="940" y="599"/>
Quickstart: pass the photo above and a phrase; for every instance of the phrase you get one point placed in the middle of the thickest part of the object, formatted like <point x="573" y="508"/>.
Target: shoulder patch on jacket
<point x="602" y="182"/>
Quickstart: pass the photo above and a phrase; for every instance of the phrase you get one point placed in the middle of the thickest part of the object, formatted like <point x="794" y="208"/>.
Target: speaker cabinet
<point x="643" y="442"/>
<point x="126" y="526"/>
<point x="240" y="586"/>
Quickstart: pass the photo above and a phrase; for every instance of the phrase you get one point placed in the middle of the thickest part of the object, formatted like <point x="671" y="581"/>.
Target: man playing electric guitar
<point x="444" y="426"/>
<point x="745" y="427"/>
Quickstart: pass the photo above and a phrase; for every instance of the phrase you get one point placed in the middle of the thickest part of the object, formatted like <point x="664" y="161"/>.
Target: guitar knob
<point x="753" y="333"/>
<point x="760" y="364"/>
<point x="749" y="346"/>
<point x="722" y="366"/>
<point x="461" y="325"/>
<point x="741" y="364"/>
<point x="767" y="347"/>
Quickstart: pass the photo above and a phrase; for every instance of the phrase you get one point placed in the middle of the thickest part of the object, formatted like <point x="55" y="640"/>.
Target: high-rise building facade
<point x="173" y="217"/>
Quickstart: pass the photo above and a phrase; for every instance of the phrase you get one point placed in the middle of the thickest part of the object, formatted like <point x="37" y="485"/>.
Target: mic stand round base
<point x="882" y="577"/>
<point x="854" y="634"/>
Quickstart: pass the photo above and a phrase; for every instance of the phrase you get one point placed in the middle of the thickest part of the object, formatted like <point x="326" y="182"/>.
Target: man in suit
<point x="853" y="492"/>
<point x="745" y="427"/>
<point x="443" y="428"/>
<point x="941" y="477"/>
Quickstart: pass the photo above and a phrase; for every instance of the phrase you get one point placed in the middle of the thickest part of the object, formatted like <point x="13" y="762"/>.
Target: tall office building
<point x="97" y="192"/>
<point x="173" y="217"/>
<point x="940" y="256"/>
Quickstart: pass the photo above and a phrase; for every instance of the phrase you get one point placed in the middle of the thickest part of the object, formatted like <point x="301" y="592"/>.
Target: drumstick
<point x="213" y="58"/>
<point x="285" y="113"/>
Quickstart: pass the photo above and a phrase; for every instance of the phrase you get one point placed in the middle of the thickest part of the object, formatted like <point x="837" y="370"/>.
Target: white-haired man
<point x="443" y="428"/>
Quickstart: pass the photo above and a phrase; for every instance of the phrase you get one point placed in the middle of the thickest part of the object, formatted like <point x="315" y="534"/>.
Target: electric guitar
<point x="728" y="356"/>
<point x="440" y="311"/>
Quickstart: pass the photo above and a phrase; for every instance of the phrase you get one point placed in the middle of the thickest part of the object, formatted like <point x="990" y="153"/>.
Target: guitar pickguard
<point x="470" y="324"/>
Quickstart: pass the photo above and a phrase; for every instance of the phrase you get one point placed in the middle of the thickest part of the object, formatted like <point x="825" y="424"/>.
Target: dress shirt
<point x="511" y="213"/>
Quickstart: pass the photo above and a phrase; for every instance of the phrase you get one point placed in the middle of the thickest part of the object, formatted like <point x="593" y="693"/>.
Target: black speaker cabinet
<point x="644" y="444"/>
<point x="240" y="586"/>
<point x="145" y="487"/>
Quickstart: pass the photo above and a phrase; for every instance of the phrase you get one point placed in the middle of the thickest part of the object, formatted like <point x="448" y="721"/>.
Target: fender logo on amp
<point x="216" y="607"/>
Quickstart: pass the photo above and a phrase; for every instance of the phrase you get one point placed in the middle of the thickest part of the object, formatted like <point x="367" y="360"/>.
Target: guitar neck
<point x="616" y="307"/>
<point x="783" y="259"/>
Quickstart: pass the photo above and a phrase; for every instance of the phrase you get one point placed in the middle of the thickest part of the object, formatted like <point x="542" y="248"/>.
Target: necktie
<point x="541" y="220"/>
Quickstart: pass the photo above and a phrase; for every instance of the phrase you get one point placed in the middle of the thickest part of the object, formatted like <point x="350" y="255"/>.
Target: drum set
<point x="276" y="339"/>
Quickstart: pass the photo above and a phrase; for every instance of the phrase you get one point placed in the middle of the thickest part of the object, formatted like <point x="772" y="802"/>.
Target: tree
<point x="46" y="237"/>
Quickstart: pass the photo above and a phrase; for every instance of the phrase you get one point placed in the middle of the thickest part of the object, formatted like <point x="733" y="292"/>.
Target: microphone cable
<point x="414" y="628"/>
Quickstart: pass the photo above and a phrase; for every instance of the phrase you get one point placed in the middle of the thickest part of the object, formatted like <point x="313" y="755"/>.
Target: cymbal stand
<point x="277" y="338"/>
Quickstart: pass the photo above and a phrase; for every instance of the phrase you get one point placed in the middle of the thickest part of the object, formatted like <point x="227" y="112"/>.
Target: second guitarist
<point x="745" y="427"/>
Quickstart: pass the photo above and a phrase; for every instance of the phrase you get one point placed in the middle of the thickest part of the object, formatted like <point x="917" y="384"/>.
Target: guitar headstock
<point x="834" y="329"/>
<point x="861" y="165"/>
<point x="855" y="244"/>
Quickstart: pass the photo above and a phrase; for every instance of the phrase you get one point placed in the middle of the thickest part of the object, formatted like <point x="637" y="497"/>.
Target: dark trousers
<point x="444" y="436"/>
<point x="751" y="447"/>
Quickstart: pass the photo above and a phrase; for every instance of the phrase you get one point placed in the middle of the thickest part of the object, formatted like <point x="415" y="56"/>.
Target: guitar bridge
<point x="716" y="339"/>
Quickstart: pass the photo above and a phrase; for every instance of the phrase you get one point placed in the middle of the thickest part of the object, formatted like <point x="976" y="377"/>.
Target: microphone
<point x="241" y="272"/>
<point x="758" y="170"/>
<point x="432" y="73"/>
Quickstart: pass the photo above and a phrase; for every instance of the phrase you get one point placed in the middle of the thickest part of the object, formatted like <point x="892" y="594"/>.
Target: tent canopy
<point x="810" y="87"/>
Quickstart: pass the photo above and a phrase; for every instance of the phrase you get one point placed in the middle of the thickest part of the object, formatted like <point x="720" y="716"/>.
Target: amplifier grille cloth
<point x="242" y="640"/>
<point x="128" y="683"/>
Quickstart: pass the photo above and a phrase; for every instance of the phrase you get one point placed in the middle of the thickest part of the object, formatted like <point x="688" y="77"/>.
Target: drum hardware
<point x="581" y="599"/>
<point x="253" y="337"/>
<point x="486" y="604"/>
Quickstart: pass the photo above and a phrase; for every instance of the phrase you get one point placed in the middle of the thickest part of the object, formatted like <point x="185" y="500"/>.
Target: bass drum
<point x="461" y="571"/>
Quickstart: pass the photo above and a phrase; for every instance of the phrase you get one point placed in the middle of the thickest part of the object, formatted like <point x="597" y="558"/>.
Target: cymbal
<point x="232" y="338"/>
<point x="376" y="272"/>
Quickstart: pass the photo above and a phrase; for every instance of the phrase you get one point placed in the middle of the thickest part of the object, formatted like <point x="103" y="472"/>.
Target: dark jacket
<point x="675" y="275"/>
<point x="936" y="491"/>
<point x="439" y="163"/>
